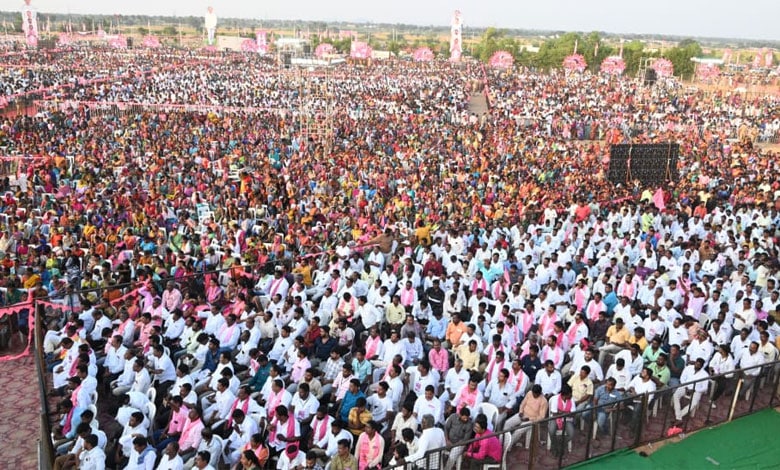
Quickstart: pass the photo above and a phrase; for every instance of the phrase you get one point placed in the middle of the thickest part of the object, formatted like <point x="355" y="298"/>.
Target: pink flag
<point x="658" y="199"/>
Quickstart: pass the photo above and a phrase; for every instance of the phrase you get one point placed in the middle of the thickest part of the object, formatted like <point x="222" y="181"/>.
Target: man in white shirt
<point x="92" y="457"/>
<point x="748" y="363"/>
<point x="171" y="460"/>
<point x="427" y="404"/>
<point x="456" y="378"/>
<point x="692" y="373"/>
<point x="431" y="438"/>
<point x="243" y="429"/>
<point x="549" y="379"/>
<point x="700" y="348"/>
<point x="223" y="401"/>
<point x="142" y="456"/>
<point x="621" y="374"/>
<point x="327" y="445"/>
<point x="501" y="393"/>
<point x="114" y="362"/>
<point x="640" y="385"/>
<point x="746" y="317"/>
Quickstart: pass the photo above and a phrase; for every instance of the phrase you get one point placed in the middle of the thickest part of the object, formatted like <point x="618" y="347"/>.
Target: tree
<point x="681" y="57"/>
<point x="143" y="31"/>
<point x="170" y="31"/>
<point x="493" y="40"/>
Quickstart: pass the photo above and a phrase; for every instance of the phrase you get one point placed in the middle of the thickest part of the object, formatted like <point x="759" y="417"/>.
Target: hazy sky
<point x="757" y="19"/>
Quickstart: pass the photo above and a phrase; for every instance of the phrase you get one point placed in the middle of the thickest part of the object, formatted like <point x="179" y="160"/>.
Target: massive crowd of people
<point x="236" y="293"/>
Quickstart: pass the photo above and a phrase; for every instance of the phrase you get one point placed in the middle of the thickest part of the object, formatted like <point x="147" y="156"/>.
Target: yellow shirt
<point x="396" y="314"/>
<point x="470" y="358"/>
<point x="616" y="336"/>
<point x="642" y="342"/>
<point x="580" y="388"/>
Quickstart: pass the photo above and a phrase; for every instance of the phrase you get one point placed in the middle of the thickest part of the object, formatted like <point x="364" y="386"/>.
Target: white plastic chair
<point x="490" y="411"/>
<point x="151" y="394"/>
<point x="151" y="413"/>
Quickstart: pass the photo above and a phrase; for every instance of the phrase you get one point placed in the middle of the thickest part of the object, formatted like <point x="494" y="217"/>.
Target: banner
<point x="323" y="50"/>
<point x="360" y="50"/>
<point x="456" y="44"/>
<point x="14" y="343"/>
<point x="30" y="23"/>
<point x="262" y="41"/>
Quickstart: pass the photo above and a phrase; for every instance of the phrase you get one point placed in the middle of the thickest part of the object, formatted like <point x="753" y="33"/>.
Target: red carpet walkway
<point x="19" y="414"/>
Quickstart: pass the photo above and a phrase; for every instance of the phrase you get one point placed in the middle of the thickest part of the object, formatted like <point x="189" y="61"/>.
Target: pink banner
<point x="706" y="72"/>
<point x="30" y="25"/>
<point x="423" y="54"/>
<point x="360" y="50"/>
<point x="262" y="41"/>
<point x="9" y="326"/>
<point x="119" y="42"/>
<point x="324" y="50"/>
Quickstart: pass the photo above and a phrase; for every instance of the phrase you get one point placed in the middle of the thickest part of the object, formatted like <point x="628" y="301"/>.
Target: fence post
<point x="532" y="446"/>
<point x="640" y="426"/>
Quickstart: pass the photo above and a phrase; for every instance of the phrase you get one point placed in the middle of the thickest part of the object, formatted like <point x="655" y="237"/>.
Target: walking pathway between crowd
<point x="19" y="408"/>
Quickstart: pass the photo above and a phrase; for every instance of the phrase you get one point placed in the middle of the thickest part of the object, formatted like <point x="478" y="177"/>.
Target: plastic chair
<point x="491" y="412"/>
<point x="151" y="413"/>
<point x="151" y="394"/>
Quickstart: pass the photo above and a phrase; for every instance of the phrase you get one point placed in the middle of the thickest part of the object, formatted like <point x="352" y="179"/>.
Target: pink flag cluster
<point x="574" y="63"/>
<point x="613" y="65"/>
<point x="423" y="54"/>
<point x="151" y="42"/>
<point x="707" y="72"/>
<point x="249" y="45"/>
<point x="119" y="42"/>
<point x="360" y="50"/>
<point x="501" y="60"/>
<point x="763" y="59"/>
<point x="663" y="67"/>
<point x="64" y="39"/>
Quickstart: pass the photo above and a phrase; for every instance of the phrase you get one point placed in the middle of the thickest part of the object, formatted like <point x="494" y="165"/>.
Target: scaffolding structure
<point x="644" y="64"/>
<point x="316" y="108"/>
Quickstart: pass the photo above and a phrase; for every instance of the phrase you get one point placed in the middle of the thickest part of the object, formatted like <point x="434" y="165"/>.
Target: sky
<point x="751" y="19"/>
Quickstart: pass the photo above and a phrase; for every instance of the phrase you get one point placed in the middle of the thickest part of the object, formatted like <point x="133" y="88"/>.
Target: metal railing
<point x="45" y="445"/>
<point x="629" y="422"/>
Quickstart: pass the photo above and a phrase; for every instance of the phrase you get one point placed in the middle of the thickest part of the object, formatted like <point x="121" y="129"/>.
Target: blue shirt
<point x="437" y="327"/>
<point x="348" y="403"/>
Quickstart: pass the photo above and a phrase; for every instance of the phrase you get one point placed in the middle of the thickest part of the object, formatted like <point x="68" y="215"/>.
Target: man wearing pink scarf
<point x="370" y="447"/>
